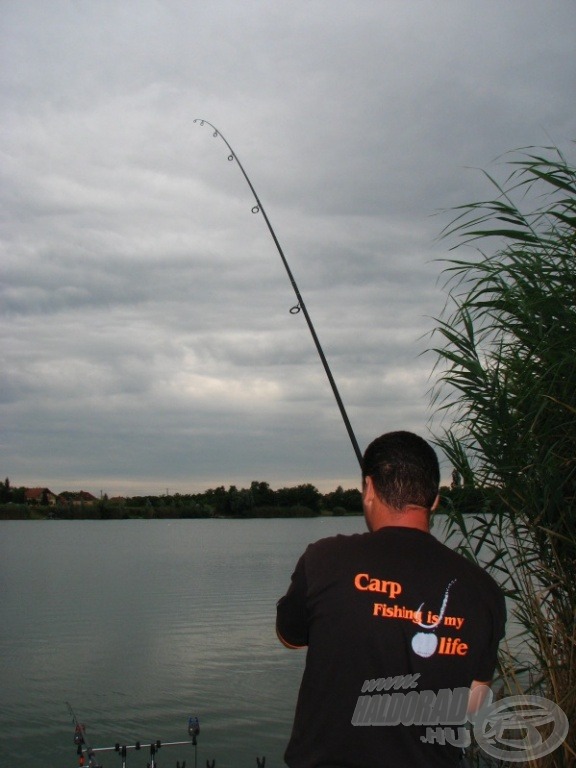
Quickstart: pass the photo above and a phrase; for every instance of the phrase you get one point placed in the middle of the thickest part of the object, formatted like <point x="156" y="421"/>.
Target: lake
<point x="140" y="624"/>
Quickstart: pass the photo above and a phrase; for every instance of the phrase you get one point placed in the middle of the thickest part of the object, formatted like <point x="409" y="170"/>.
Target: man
<point x="398" y="626"/>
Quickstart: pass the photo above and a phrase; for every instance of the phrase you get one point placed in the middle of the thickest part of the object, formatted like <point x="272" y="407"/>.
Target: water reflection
<point x="140" y="624"/>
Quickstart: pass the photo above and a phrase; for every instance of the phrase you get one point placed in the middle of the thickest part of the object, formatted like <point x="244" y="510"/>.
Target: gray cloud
<point x="146" y="336"/>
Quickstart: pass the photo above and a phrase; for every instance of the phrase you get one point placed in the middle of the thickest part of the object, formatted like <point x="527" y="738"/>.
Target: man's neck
<point x="410" y="517"/>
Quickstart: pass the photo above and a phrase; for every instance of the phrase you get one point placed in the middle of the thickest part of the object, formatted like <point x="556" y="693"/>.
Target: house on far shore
<point x="40" y="496"/>
<point x="77" y="498"/>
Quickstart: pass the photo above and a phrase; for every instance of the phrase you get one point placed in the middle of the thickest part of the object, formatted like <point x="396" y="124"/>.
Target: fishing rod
<point x="300" y="306"/>
<point x="82" y="742"/>
<point x="85" y="751"/>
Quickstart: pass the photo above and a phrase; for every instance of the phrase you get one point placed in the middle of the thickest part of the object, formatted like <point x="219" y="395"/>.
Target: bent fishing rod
<point x="300" y="306"/>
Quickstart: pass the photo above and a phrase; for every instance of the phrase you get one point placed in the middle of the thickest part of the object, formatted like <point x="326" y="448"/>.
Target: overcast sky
<point x="147" y="343"/>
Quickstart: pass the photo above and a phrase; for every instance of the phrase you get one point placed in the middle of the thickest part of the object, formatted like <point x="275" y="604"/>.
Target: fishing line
<point x="300" y="306"/>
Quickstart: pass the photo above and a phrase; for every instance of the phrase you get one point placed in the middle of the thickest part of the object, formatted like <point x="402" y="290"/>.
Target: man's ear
<point x="436" y="504"/>
<point x="368" y="501"/>
<point x="368" y="490"/>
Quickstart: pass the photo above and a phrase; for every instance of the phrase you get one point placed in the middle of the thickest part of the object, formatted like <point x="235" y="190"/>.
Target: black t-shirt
<point x="390" y="616"/>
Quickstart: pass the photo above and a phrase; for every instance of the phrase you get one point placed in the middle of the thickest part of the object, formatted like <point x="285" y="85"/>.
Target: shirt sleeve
<point x="292" y="610"/>
<point x="489" y="662"/>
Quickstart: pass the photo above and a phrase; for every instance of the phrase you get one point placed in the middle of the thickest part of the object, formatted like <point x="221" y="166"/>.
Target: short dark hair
<point x="404" y="470"/>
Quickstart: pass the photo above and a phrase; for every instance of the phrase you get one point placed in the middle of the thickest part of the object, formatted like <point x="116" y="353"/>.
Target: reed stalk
<point x="505" y="412"/>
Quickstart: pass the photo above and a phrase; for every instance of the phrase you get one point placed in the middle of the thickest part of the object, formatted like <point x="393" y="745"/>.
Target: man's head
<point x="403" y="471"/>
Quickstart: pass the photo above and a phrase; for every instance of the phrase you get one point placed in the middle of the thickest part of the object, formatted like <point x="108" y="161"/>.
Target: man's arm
<point x="480" y="694"/>
<point x="292" y="611"/>
<point x="286" y="643"/>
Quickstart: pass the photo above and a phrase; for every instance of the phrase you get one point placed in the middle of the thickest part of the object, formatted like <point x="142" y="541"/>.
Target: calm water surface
<point x="139" y="624"/>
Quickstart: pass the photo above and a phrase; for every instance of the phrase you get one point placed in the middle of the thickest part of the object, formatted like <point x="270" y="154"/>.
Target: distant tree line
<point x="258" y="500"/>
<point x="9" y="494"/>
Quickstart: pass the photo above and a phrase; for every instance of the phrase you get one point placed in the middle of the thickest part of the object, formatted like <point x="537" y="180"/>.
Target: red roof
<point x="77" y="496"/>
<point x="37" y="494"/>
